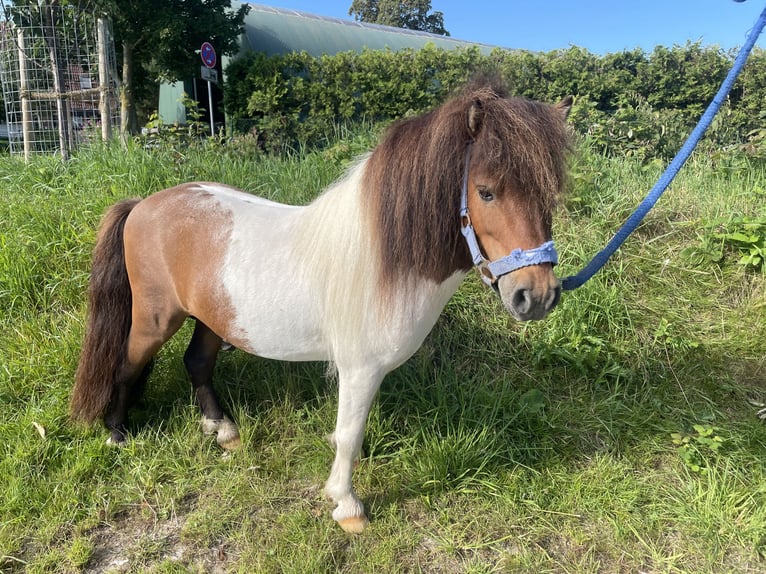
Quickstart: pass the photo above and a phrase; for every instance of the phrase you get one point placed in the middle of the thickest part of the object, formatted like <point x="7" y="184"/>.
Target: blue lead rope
<point x="575" y="281"/>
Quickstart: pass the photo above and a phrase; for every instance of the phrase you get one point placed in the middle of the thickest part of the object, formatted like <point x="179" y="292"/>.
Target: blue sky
<point x="600" y="26"/>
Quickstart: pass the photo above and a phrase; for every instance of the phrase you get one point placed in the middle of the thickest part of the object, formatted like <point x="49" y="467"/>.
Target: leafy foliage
<point x="697" y="447"/>
<point x="177" y="137"/>
<point x="630" y="103"/>
<point x="410" y="14"/>
<point x="297" y="99"/>
<point x="742" y="236"/>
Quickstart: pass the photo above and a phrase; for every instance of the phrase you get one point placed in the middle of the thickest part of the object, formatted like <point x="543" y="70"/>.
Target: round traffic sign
<point x="207" y="53"/>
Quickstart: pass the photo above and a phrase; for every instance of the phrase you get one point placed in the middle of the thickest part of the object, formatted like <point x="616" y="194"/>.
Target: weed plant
<point x="618" y="435"/>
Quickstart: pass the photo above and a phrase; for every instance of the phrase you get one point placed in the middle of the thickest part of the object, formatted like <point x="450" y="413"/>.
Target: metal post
<point x="210" y="106"/>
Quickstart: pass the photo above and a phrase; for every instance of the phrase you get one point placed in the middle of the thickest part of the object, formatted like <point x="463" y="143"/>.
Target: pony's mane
<point x="413" y="178"/>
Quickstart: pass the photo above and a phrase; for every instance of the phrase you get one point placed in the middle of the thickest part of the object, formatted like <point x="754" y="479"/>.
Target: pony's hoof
<point x="354" y="524"/>
<point x="227" y="433"/>
<point x="229" y="444"/>
<point x="118" y="436"/>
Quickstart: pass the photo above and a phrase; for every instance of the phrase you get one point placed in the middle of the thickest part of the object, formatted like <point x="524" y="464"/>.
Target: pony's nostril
<point x="522" y="301"/>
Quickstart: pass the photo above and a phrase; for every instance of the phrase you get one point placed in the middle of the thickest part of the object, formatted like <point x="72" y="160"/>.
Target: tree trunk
<point x="128" y="116"/>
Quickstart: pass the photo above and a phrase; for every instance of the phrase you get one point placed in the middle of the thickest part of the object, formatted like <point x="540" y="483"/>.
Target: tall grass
<point x="618" y="435"/>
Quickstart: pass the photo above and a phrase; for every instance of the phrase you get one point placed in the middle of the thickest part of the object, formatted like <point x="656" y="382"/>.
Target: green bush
<point x="629" y="103"/>
<point x="298" y="99"/>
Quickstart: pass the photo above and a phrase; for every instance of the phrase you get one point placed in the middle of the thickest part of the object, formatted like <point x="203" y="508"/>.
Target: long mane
<point x="414" y="176"/>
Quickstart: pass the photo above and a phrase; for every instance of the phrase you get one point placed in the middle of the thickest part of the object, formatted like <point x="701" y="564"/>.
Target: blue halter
<point x="491" y="271"/>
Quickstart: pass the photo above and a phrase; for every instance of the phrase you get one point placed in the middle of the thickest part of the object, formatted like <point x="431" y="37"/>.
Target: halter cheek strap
<point x="491" y="271"/>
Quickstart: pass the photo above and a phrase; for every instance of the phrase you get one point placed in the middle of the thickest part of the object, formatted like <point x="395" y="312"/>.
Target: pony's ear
<point x="475" y="117"/>
<point x="565" y="106"/>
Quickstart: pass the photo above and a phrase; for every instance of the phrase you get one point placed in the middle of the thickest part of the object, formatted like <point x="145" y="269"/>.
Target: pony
<point x="357" y="278"/>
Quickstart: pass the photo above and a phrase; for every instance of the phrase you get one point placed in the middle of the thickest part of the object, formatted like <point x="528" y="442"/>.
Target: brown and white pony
<point x="357" y="278"/>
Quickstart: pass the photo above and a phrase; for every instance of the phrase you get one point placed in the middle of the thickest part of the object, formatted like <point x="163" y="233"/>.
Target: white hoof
<point x="227" y="434"/>
<point x="349" y="514"/>
<point x="354" y="524"/>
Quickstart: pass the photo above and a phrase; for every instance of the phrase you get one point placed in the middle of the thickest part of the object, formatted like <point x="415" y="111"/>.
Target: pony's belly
<point x="277" y="335"/>
<point x="275" y="317"/>
<point x="263" y="309"/>
<point x="268" y="350"/>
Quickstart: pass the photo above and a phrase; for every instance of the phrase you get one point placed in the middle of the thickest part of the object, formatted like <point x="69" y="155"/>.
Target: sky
<point x="600" y="26"/>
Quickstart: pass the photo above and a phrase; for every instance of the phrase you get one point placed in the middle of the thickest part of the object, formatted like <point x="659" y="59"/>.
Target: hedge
<point x="629" y="102"/>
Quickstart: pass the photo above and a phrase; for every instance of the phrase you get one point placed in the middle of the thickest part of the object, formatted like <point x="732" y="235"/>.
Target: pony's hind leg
<point x="199" y="360"/>
<point x="144" y="340"/>
<point x="128" y="387"/>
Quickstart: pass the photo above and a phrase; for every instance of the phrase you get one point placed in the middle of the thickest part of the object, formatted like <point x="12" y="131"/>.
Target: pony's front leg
<point x="356" y="390"/>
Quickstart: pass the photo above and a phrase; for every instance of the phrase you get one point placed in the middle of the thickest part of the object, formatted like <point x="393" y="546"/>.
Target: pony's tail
<point x="108" y="321"/>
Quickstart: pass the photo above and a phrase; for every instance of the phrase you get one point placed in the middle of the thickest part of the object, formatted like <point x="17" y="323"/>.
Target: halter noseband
<point x="491" y="271"/>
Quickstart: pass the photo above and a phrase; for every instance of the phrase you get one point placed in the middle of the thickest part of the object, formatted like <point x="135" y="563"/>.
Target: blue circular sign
<point x="207" y="53"/>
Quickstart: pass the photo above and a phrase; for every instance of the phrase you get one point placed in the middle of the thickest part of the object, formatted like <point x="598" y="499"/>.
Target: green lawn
<point x="618" y="435"/>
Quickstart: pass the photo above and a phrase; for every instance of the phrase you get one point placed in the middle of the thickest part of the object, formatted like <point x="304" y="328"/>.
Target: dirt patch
<point x="136" y="541"/>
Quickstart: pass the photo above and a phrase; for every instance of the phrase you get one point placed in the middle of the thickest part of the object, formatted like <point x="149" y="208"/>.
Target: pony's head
<point x="515" y="169"/>
<point x="509" y="155"/>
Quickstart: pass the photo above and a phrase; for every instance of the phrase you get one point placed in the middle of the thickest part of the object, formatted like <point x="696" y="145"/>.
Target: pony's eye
<point x="485" y="193"/>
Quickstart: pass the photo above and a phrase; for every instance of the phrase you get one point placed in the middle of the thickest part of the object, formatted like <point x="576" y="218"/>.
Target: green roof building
<point x="275" y="31"/>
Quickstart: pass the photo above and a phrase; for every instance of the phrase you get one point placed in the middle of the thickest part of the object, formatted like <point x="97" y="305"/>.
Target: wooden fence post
<point x="104" y="86"/>
<point x="26" y="105"/>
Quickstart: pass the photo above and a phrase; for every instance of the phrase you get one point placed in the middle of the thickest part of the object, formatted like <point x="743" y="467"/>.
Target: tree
<point x="156" y="39"/>
<point x="410" y="14"/>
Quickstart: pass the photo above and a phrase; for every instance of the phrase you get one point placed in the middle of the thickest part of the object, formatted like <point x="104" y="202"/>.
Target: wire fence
<point x="59" y="80"/>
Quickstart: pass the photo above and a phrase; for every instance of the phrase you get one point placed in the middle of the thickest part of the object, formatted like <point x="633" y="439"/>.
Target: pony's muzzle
<point x="529" y="294"/>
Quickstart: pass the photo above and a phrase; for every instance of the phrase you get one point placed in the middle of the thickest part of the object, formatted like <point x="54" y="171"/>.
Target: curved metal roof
<point x="275" y="31"/>
<point x="279" y="31"/>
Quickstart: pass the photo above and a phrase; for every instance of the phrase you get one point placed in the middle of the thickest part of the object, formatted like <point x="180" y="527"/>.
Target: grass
<point x="615" y="436"/>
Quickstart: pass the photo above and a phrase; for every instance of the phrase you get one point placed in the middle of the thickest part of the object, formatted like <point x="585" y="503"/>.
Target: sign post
<point x="209" y="59"/>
